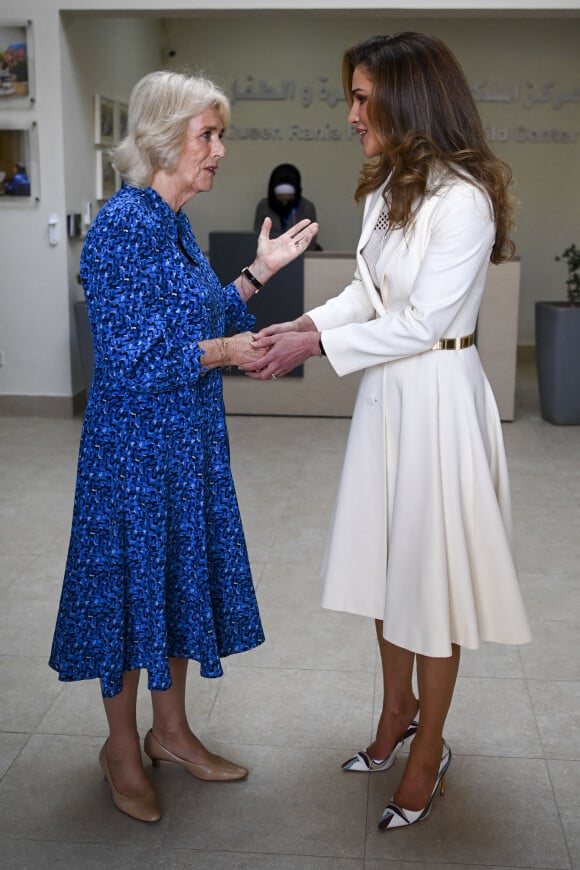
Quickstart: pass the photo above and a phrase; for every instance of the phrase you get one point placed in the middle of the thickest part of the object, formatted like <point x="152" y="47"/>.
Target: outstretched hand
<point x="273" y="254"/>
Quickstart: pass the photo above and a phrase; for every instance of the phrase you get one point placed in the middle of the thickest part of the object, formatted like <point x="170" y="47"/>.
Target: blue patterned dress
<point x="157" y="563"/>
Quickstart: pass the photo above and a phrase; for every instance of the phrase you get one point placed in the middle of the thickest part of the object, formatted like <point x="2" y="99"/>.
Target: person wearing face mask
<point x="285" y="205"/>
<point x="420" y="539"/>
<point x="157" y="571"/>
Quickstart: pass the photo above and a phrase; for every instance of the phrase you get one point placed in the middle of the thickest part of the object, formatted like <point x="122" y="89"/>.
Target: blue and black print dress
<point x="157" y="563"/>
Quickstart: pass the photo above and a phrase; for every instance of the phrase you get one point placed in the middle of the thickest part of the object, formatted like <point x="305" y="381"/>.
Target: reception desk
<point x="321" y="393"/>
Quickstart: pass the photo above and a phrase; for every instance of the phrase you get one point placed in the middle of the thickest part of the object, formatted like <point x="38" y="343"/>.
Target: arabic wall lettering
<point x="529" y="96"/>
<point x="532" y="94"/>
<point x="294" y="132"/>
<point x="519" y="133"/>
<point x="251" y="89"/>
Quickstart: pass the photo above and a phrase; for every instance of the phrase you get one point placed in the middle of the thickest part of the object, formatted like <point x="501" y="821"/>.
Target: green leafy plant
<point x="571" y="256"/>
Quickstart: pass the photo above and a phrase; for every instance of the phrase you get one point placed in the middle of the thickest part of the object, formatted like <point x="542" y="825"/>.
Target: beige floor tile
<point x="492" y="716"/>
<point x="313" y="640"/>
<point x="294" y="586"/>
<point x="55" y="790"/>
<point x="12" y="568"/>
<point x="557" y="709"/>
<point x="40" y="580"/>
<point x="293" y="708"/>
<point x="556" y="597"/>
<point x="10" y="745"/>
<point x="295" y="801"/>
<point x="565" y="776"/>
<point x="27" y="689"/>
<point x="27" y="625"/>
<point x="25" y="530"/>
<point x="79" y="710"/>
<point x="491" y="660"/>
<point x="554" y="653"/>
<point x="412" y="865"/>
<point x="546" y="540"/>
<point x="301" y="542"/>
<point x="26" y="855"/>
<point x="494" y="812"/>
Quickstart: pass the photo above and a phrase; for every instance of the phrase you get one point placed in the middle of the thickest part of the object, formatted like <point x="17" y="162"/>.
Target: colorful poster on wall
<point x="14" y="67"/>
<point x="14" y="163"/>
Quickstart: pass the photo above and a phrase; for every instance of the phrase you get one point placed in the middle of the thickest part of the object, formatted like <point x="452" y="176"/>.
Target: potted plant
<point x="558" y="349"/>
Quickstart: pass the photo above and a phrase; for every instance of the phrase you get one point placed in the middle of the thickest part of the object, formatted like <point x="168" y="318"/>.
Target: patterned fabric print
<point x="157" y="562"/>
<point x="374" y="247"/>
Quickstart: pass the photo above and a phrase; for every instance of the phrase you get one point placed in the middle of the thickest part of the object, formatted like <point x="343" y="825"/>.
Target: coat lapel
<point x="394" y="239"/>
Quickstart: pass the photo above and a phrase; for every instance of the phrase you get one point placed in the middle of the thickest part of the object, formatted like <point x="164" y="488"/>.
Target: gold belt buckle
<point x="455" y="343"/>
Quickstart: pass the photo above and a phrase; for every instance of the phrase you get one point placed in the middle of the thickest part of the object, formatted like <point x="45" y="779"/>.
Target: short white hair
<point x="160" y="107"/>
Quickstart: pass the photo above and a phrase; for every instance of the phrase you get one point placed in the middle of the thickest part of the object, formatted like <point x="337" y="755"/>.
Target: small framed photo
<point x="107" y="178"/>
<point x="104" y="120"/>
<point x="19" y="173"/>
<point x="122" y="126"/>
<point x="16" y="65"/>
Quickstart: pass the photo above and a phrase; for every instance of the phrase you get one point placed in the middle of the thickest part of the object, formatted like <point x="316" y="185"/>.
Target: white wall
<point x="105" y="56"/>
<point x="38" y="281"/>
<point x="83" y="51"/>
<point x="34" y="320"/>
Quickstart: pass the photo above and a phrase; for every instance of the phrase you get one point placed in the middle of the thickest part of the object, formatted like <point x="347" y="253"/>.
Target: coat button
<point x="371" y="400"/>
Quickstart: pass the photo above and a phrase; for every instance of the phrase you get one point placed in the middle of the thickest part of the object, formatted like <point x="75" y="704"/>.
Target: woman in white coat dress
<point x="420" y="537"/>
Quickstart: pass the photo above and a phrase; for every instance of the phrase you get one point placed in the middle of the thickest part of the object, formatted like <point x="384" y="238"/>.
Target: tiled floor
<point x="293" y="709"/>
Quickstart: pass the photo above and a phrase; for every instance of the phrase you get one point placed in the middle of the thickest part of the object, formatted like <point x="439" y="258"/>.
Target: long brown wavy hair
<point x="423" y="112"/>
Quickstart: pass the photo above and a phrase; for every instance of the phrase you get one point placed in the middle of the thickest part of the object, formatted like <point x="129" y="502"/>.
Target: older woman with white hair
<point x="157" y="570"/>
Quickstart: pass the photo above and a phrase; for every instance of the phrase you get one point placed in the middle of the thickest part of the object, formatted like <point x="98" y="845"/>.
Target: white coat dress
<point x="421" y="532"/>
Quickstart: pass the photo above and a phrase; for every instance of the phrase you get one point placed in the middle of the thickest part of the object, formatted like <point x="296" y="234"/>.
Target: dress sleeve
<point x="140" y="344"/>
<point x="238" y="318"/>
<point x="453" y="265"/>
<point x="352" y="305"/>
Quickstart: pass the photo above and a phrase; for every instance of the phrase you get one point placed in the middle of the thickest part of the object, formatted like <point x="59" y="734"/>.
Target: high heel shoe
<point x="143" y="807"/>
<point x="395" y="816"/>
<point x="362" y="762"/>
<point x="215" y="769"/>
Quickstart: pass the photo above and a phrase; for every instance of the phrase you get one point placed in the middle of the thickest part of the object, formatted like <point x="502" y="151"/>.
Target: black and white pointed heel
<point x="362" y="762"/>
<point x="395" y="816"/>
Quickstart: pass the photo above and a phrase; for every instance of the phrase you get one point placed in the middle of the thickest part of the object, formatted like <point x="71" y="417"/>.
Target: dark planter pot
<point x="558" y="362"/>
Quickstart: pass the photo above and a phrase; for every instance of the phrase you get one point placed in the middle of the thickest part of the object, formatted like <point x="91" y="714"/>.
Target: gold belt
<point x="455" y="343"/>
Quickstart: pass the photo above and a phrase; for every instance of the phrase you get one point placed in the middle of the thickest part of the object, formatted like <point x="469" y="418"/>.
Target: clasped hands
<point x="281" y="347"/>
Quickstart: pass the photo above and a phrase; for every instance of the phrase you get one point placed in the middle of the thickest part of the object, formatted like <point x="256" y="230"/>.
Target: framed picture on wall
<point x="16" y="62"/>
<point x="122" y="121"/>
<point x="107" y="179"/>
<point x="104" y="120"/>
<point x="19" y="176"/>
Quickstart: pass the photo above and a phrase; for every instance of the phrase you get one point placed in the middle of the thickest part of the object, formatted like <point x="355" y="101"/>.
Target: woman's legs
<point x="399" y="702"/>
<point x="123" y="749"/>
<point x="436" y="682"/>
<point x="170" y="725"/>
<point x="171" y="738"/>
